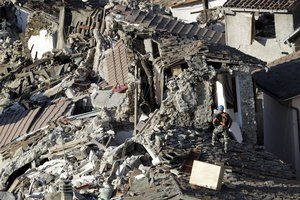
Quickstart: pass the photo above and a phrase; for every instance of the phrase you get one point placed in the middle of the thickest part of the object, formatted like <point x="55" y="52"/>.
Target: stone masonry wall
<point x="247" y="108"/>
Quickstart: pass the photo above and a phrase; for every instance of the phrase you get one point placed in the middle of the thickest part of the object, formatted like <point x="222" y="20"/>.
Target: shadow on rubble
<point x="245" y="192"/>
<point x="83" y="4"/>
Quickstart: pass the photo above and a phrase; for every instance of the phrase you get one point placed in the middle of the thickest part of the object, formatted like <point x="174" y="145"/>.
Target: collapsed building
<point x="119" y="103"/>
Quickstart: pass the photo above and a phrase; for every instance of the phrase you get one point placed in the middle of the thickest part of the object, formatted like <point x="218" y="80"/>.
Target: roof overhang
<point x="232" y="9"/>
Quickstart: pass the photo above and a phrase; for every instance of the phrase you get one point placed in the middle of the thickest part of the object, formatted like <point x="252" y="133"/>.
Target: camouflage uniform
<point x="223" y="129"/>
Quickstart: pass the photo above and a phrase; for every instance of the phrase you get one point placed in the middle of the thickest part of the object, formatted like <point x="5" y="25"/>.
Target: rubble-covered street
<point x="114" y="99"/>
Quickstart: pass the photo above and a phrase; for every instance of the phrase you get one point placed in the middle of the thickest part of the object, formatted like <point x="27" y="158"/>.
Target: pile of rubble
<point x="92" y="156"/>
<point x="121" y="106"/>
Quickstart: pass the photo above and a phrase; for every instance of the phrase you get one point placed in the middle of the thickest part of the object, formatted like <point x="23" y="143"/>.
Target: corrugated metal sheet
<point x="14" y="125"/>
<point x="262" y="4"/>
<point x="163" y="23"/>
<point x="117" y="64"/>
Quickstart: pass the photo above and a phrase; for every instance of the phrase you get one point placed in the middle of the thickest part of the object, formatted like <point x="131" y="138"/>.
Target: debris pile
<point x="119" y="104"/>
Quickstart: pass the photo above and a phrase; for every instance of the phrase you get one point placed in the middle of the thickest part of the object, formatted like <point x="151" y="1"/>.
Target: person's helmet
<point x="220" y="107"/>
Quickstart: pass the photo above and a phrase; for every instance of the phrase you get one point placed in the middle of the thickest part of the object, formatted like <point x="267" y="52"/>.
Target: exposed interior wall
<point x="235" y="35"/>
<point x="185" y="12"/>
<point x="266" y="49"/>
<point x="40" y="44"/>
<point x="284" y="25"/>
<point x="278" y="129"/>
<point x="296" y="123"/>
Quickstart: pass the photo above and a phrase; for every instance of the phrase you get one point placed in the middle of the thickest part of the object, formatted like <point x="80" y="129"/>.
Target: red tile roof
<point x="14" y="125"/>
<point x="166" y="24"/>
<point x="117" y="64"/>
<point x="262" y="4"/>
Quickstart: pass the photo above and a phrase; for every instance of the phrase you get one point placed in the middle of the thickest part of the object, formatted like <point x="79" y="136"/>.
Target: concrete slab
<point x="107" y="98"/>
<point x="207" y="175"/>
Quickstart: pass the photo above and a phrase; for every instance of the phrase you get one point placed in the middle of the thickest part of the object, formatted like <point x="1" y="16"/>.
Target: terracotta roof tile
<point x="117" y="64"/>
<point x="162" y="23"/>
<point x="14" y="125"/>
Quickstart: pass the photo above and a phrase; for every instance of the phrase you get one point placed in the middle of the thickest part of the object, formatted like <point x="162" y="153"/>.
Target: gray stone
<point x="6" y="196"/>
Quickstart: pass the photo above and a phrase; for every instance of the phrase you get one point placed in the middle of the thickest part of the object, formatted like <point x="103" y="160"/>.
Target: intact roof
<point x="14" y="125"/>
<point x="163" y="23"/>
<point x="262" y="4"/>
<point x="281" y="81"/>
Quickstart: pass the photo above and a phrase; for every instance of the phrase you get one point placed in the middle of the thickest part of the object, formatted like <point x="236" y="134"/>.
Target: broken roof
<point x="163" y="23"/>
<point x="281" y="81"/>
<point x="290" y="57"/>
<point x="227" y="54"/>
<point x="171" y="3"/>
<point x="117" y="64"/>
<point x="173" y="49"/>
<point x="262" y="4"/>
<point x="14" y="125"/>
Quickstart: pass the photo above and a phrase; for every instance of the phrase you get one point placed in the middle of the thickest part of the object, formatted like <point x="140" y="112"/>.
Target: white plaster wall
<point x="22" y="19"/>
<point x="265" y="49"/>
<point x="284" y="25"/>
<point x="278" y="129"/>
<point x="296" y="103"/>
<point x="239" y="29"/>
<point x="239" y="36"/>
<point x="41" y="43"/>
<point x="184" y="12"/>
<point x="220" y="94"/>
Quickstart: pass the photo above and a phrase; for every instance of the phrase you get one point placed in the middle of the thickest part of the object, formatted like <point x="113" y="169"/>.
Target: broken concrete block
<point x="6" y="196"/>
<point x="83" y="180"/>
<point x="53" y="196"/>
<point x="207" y="175"/>
<point x="69" y="93"/>
<point x="106" y="192"/>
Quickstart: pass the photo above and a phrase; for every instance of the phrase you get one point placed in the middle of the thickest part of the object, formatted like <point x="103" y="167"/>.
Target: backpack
<point x="227" y="119"/>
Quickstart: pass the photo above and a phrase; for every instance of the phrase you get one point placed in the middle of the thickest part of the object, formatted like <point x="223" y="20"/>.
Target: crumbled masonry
<point x="117" y="103"/>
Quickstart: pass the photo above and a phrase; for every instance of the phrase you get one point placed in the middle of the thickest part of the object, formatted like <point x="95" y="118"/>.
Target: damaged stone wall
<point x="247" y="105"/>
<point x="189" y="97"/>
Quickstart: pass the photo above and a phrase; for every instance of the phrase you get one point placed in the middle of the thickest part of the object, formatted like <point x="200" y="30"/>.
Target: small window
<point x="265" y="25"/>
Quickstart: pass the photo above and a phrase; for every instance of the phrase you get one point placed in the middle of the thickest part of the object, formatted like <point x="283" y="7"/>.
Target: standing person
<point x="222" y="122"/>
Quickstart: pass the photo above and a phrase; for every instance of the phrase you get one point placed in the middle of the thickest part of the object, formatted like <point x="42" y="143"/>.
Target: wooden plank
<point x="207" y="175"/>
<point x="13" y="185"/>
<point x="67" y="145"/>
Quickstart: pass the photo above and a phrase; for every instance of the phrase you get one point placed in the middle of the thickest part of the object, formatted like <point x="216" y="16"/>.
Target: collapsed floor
<point x="67" y="124"/>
